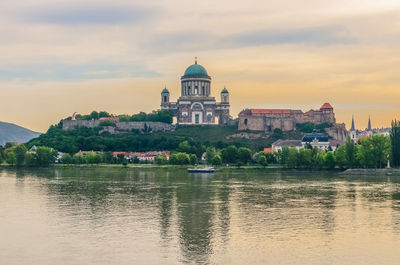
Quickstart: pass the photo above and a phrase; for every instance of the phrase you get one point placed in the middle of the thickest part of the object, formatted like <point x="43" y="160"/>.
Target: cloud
<point x="326" y="35"/>
<point x="88" y="15"/>
<point x="68" y="72"/>
<point x="320" y="35"/>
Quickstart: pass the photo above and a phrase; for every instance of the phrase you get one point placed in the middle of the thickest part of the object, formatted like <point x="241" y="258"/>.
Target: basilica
<point x="196" y="105"/>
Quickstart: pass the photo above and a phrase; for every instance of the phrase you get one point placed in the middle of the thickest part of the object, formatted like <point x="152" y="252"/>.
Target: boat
<point x="201" y="170"/>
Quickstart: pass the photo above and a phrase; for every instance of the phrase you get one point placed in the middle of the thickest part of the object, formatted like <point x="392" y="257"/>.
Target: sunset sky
<point x="59" y="57"/>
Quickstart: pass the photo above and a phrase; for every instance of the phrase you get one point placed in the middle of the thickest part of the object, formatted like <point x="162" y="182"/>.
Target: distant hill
<point x="13" y="133"/>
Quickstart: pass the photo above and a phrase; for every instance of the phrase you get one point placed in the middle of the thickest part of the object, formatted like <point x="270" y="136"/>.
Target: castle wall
<point x="284" y="120"/>
<point x="120" y="126"/>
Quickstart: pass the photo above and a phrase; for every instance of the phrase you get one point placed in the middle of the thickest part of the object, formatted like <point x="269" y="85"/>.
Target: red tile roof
<point x="267" y="150"/>
<point x="326" y="106"/>
<point x="270" y="111"/>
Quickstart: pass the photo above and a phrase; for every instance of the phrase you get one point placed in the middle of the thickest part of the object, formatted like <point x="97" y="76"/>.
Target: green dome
<point x="195" y="69"/>
<point x="165" y="90"/>
<point x="224" y="90"/>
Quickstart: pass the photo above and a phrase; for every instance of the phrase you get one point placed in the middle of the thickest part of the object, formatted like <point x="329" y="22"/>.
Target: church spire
<point x="369" y="123"/>
<point x="352" y="124"/>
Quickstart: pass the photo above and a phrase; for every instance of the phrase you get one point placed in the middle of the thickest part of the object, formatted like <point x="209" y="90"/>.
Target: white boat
<point x="201" y="170"/>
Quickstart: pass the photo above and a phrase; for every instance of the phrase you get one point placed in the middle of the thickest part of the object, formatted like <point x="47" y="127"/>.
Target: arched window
<point x="165" y="98"/>
<point x="196" y="90"/>
<point x="245" y="122"/>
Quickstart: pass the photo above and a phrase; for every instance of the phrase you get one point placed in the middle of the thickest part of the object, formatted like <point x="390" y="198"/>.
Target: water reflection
<point x="201" y="219"/>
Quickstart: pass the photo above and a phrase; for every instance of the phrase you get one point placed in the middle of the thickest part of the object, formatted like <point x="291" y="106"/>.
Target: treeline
<point x="18" y="155"/>
<point x="165" y="116"/>
<point x="371" y="152"/>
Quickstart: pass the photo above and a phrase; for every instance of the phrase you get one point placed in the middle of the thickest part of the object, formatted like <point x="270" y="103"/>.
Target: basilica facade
<point x="196" y="105"/>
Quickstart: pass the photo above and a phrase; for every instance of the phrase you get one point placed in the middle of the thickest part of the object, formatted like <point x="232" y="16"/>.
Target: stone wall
<point x="120" y="127"/>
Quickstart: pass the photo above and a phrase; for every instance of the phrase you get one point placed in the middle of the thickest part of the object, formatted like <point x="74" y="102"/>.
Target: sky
<point x="60" y="57"/>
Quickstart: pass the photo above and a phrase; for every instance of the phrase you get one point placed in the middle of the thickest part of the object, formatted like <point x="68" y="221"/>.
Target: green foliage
<point x="93" y="158"/>
<point x="165" y="116"/>
<point x="292" y="158"/>
<point x="78" y="159"/>
<point x="262" y="161"/>
<point x="244" y="155"/>
<point x="67" y="159"/>
<point x="161" y="160"/>
<point x="11" y="158"/>
<point x="210" y="153"/>
<point x="30" y="159"/>
<point x="229" y="154"/>
<point x="20" y="151"/>
<point x="304" y="158"/>
<point x="193" y="159"/>
<point x="45" y="155"/>
<point x="217" y="161"/>
<point x="2" y="154"/>
<point x="373" y="152"/>
<point x="94" y="115"/>
<point x="306" y="127"/>
<point x="309" y="127"/>
<point x="395" y="143"/>
<point x="179" y="159"/>
<point x="329" y="160"/>
<point x="184" y="147"/>
<point x="109" y="158"/>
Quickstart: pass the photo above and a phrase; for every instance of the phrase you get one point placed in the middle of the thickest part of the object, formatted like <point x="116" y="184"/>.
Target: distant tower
<point x="369" y="123"/>
<point x="352" y="124"/>
<point x="164" y="98"/>
<point x="225" y="96"/>
<point x="353" y="132"/>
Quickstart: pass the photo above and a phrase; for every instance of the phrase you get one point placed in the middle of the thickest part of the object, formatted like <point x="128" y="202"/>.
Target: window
<point x="245" y="122"/>
<point x="165" y="98"/>
<point x="196" y="90"/>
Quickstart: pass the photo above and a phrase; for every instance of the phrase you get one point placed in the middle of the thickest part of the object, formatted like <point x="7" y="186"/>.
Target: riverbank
<point x="371" y="171"/>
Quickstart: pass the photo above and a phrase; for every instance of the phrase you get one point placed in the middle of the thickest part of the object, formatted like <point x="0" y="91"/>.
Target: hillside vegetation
<point x="89" y="139"/>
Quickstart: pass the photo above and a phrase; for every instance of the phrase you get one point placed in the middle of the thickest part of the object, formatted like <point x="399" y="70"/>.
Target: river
<point x="165" y="216"/>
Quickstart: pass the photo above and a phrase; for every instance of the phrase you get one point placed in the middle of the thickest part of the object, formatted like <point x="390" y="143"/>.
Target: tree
<point x="108" y="158"/>
<point x="283" y="156"/>
<point x="292" y="158"/>
<point x="217" y="161"/>
<point x="30" y="159"/>
<point x="161" y="159"/>
<point x="184" y="147"/>
<point x="350" y="153"/>
<point x="2" y="154"/>
<point x="329" y="160"/>
<point x="11" y="159"/>
<point x="182" y="158"/>
<point x="340" y="155"/>
<point x="244" y="155"/>
<point x="66" y="159"/>
<point x="78" y="159"/>
<point x="45" y="155"/>
<point x="262" y="160"/>
<point x="20" y="151"/>
<point x="210" y="153"/>
<point x="229" y="154"/>
<point x="395" y="143"/>
<point x="304" y="158"/>
<point x="193" y="159"/>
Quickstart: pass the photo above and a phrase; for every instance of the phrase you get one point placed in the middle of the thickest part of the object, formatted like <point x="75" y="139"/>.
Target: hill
<point x="13" y="133"/>
<point x="86" y="139"/>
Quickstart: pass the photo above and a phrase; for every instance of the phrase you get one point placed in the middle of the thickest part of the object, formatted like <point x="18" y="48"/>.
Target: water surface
<point x="159" y="216"/>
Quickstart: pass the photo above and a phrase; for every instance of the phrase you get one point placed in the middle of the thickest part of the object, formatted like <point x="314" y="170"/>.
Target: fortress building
<point x="196" y="106"/>
<point x="284" y="119"/>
